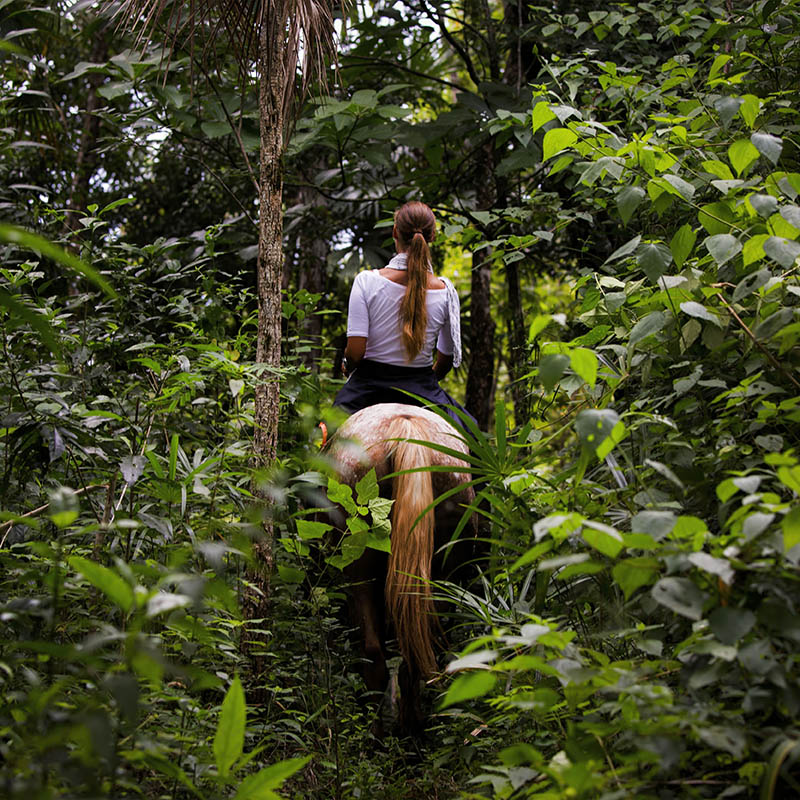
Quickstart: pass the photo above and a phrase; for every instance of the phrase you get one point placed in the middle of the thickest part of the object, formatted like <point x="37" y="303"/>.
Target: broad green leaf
<point x="633" y="573"/>
<point x="628" y="200"/>
<point x="468" y="687"/>
<point x="682" y="187"/>
<point x="767" y="328"/>
<point x="790" y="477"/>
<point x="229" y="738"/>
<point x="680" y="595"/>
<point x="720" y="567"/>
<point x="682" y="244"/>
<point x="727" y="108"/>
<point x="556" y="140"/>
<point x="730" y="625"/>
<point x="551" y="368"/>
<point x="626" y="249"/>
<point x="308" y="529"/>
<point x="584" y="362"/>
<point x="768" y="145"/>
<point x="723" y="247"/>
<point x="603" y="538"/>
<point x="742" y="154"/>
<point x="753" y="249"/>
<point x="750" y="283"/>
<point x="763" y="204"/>
<point x="699" y="311"/>
<point x="791" y="213"/>
<point x="541" y="114"/>
<point x="114" y="587"/>
<point x="367" y="488"/>
<point x="654" y="258"/>
<point x="751" y="106"/>
<point x="599" y="429"/>
<point x="719" y="62"/>
<point x="716" y="217"/>
<point x="260" y="785"/>
<point x="791" y="529"/>
<point x="784" y="251"/>
<point x="647" y="326"/>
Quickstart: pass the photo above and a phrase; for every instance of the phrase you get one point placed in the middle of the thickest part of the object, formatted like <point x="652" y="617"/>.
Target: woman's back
<point x="375" y="313"/>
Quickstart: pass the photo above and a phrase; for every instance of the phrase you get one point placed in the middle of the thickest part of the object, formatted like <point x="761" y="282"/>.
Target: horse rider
<point x="396" y="317"/>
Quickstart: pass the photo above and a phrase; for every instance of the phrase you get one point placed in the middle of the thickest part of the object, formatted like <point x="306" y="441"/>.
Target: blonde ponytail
<point x="415" y="226"/>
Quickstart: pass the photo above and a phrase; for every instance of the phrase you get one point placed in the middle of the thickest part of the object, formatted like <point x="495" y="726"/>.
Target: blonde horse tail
<point x="408" y="591"/>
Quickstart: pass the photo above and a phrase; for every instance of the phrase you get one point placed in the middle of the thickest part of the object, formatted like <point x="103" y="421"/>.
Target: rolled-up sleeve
<point x="357" y="311"/>
<point x="444" y="343"/>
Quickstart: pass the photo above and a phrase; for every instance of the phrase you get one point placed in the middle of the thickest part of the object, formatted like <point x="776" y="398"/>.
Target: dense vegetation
<point x="618" y="196"/>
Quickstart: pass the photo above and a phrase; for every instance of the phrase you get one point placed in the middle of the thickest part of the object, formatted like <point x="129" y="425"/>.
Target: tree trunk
<point x="269" y="272"/>
<point x="480" y="380"/>
<point x="481" y="335"/>
<point x="86" y="159"/>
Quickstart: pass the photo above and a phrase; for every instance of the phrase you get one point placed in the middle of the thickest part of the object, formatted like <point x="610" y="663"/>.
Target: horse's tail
<point x="408" y="591"/>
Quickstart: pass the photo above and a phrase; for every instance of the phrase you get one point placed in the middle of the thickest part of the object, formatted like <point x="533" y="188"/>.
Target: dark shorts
<point x="373" y="382"/>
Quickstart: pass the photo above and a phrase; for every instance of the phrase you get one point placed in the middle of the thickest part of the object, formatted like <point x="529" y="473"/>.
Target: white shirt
<point x="374" y="312"/>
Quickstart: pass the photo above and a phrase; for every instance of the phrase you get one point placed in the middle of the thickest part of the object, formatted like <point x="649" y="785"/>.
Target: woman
<point x="396" y="317"/>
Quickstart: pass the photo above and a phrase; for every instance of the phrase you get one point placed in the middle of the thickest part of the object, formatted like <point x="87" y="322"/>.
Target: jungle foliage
<point x="618" y="196"/>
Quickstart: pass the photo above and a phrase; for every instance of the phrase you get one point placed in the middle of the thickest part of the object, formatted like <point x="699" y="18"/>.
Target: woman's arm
<point x="354" y="352"/>
<point x="442" y="365"/>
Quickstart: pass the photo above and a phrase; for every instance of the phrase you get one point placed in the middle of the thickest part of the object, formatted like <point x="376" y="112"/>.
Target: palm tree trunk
<point x="269" y="272"/>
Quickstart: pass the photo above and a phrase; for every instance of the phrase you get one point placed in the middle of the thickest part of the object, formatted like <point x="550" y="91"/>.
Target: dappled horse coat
<point x="395" y="590"/>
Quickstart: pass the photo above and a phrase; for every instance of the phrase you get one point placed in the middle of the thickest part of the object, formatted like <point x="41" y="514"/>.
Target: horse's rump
<point x="376" y="438"/>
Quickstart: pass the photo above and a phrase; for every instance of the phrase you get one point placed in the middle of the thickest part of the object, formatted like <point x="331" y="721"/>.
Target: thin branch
<point x="772" y="360"/>
<point x="36" y="511"/>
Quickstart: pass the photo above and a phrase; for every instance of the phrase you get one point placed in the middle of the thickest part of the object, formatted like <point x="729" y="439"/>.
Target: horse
<point x="395" y="590"/>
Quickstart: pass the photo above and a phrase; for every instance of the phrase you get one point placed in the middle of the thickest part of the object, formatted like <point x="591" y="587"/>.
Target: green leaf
<point x="599" y="429"/>
<point x="468" y="687"/>
<point x="21" y="312"/>
<point x="764" y="204"/>
<point x="791" y="529"/>
<point x="700" y="312"/>
<point x="681" y="187"/>
<point x="727" y="108"/>
<point x="682" y="244"/>
<point x="742" y="154"/>
<point x="681" y="596"/>
<point x="229" y="738"/>
<point x="750" y="283"/>
<point x="723" y="247"/>
<point x="768" y="145"/>
<point x="114" y="587"/>
<point x="367" y="488"/>
<point x="308" y="529"/>
<point x="773" y="323"/>
<point x="551" y="368"/>
<point x="628" y="200"/>
<point x="753" y="249"/>
<point x="260" y="785"/>
<point x="584" y="362"/>
<point x="729" y="625"/>
<point x="784" y="251"/>
<point x="647" y="326"/>
<point x="556" y="140"/>
<point x="173" y="456"/>
<point x="751" y="106"/>
<point x="626" y="249"/>
<point x="791" y="213"/>
<point x="603" y="538"/>
<point x="30" y="241"/>
<point x="633" y="573"/>
<point x="654" y="258"/>
<point x="541" y="115"/>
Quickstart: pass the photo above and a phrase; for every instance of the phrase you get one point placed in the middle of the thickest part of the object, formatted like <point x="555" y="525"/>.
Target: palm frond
<point x="306" y="28"/>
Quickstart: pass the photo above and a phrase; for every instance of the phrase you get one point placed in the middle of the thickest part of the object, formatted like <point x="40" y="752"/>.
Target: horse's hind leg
<point x="410" y="717"/>
<point x="367" y="612"/>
